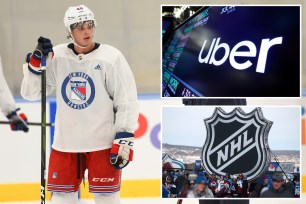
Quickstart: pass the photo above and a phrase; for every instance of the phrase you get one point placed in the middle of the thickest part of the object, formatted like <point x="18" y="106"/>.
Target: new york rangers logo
<point x="78" y="90"/>
<point x="237" y="142"/>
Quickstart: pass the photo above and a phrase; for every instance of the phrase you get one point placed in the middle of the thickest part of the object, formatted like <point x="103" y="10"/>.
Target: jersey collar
<point x="71" y="46"/>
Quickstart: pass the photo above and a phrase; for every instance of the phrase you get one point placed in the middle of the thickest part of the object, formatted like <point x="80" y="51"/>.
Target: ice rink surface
<point x="173" y="201"/>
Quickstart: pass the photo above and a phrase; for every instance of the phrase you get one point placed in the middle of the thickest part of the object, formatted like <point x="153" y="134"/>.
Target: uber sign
<point x="237" y="143"/>
<point x="235" y="51"/>
<point x="266" y="44"/>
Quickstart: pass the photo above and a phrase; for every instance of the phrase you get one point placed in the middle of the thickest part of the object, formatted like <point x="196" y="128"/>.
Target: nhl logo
<point x="237" y="142"/>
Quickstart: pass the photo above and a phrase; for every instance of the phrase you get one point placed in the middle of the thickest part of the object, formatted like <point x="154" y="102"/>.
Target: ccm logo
<point x="266" y="44"/>
<point x="126" y="142"/>
<point x="104" y="180"/>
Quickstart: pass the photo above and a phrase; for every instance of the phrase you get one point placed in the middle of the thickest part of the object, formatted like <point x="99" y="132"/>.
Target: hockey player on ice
<point x="18" y="121"/>
<point x="97" y="110"/>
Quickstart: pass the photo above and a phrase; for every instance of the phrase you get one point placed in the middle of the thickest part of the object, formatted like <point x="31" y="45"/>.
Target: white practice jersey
<point x="7" y="102"/>
<point x="95" y="93"/>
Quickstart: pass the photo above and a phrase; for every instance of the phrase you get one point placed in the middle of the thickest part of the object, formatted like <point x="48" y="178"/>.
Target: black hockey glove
<point x="43" y="48"/>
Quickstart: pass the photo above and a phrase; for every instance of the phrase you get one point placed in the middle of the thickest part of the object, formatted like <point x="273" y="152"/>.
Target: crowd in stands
<point x="199" y="184"/>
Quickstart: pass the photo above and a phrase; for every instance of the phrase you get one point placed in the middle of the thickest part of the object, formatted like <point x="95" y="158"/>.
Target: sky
<point x="185" y="125"/>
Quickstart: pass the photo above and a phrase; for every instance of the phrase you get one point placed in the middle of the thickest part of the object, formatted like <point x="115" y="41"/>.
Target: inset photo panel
<point x="231" y="152"/>
<point x="231" y="51"/>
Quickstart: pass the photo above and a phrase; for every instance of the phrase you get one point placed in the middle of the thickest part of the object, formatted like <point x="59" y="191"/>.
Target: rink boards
<point x="21" y="155"/>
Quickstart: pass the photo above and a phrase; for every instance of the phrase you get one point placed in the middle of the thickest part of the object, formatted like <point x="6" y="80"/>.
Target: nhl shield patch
<point x="237" y="142"/>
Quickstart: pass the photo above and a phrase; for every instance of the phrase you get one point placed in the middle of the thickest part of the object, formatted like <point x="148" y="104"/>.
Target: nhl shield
<point x="237" y="142"/>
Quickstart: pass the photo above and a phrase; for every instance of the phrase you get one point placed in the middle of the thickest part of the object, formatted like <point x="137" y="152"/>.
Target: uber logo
<point x="266" y="44"/>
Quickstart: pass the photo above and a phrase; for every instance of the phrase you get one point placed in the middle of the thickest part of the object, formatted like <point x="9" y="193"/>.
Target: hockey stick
<point x="43" y="132"/>
<point x="28" y="123"/>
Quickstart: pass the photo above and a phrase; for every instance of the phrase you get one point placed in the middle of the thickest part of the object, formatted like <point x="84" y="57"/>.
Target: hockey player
<point x="97" y="110"/>
<point x="18" y="121"/>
